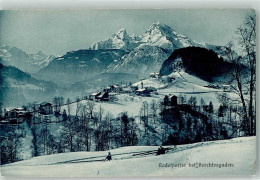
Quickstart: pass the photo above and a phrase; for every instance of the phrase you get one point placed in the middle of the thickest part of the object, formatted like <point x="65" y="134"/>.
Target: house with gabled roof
<point x="94" y="96"/>
<point x="142" y="92"/>
<point x="154" y="75"/>
<point x="103" y="97"/>
<point x="45" y="108"/>
<point x="14" y="115"/>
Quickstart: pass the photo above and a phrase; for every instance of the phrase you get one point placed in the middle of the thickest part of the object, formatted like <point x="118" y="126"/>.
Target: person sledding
<point x="160" y="150"/>
<point x="109" y="157"/>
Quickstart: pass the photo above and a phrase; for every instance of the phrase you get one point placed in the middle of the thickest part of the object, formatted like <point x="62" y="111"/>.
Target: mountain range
<point x="31" y="63"/>
<point x="122" y="53"/>
<point x="158" y="34"/>
<point x="129" y="56"/>
<point x="147" y="51"/>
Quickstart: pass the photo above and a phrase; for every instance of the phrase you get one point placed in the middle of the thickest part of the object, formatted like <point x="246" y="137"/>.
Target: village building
<point x="112" y="88"/>
<point x="142" y="92"/>
<point x="134" y="88"/>
<point x="151" y="89"/>
<point x="115" y="88"/>
<point x="126" y="90"/>
<point x="103" y="97"/>
<point x="94" y="96"/>
<point x="108" y="89"/>
<point x="155" y="75"/>
<point x="14" y="115"/>
<point x="45" y="108"/>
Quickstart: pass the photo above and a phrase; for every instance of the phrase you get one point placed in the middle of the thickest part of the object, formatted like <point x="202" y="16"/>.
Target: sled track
<point x="95" y="157"/>
<point x="138" y="154"/>
<point x="132" y="155"/>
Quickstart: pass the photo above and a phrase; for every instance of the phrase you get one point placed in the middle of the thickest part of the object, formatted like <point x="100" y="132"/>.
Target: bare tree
<point x="153" y="107"/>
<point x="68" y="132"/>
<point x="161" y="109"/>
<point x="90" y="105"/>
<point x="237" y="76"/>
<point x="108" y="119"/>
<point x="245" y="80"/>
<point x="86" y="127"/>
<point x="145" y="114"/>
<point x="79" y="106"/>
<point x="57" y="103"/>
<point x="69" y="107"/>
<point x="247" y="40"/>
<point x="100" y="112"/>
<point x="10" y="146"/>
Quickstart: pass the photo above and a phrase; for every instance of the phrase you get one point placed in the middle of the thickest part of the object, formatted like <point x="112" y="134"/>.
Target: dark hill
<point x="18" y="88"/>
<point x="20" y="76"/>
<point x="201" y="62"/>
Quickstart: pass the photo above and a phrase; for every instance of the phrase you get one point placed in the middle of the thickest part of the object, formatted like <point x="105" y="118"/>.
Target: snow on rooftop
<point x="14" y="108"/>
<point x="154" y="73"/>
<point x="140" y="90"/>
<point x="94" y="94"/>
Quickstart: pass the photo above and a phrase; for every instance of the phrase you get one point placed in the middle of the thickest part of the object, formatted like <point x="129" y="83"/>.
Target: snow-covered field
<point x="184" y="84"/>
<point x="238" y="154"/>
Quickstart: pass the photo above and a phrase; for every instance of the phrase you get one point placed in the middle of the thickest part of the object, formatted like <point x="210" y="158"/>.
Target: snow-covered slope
<point x="142" y="60"/>
<point x="165" y="37"/>
<point x="183" y="84"/>
<point x="235" y="157"/>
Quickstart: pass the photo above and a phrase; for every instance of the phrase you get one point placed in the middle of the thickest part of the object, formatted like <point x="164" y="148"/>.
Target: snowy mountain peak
<point x="147" y="51"/>
<point x="121" y="34"/>
<point x="40" y="53"/>
<point x="158" y="24"/>
<point x="119" y="40"/>
<point x="122" y="31"/>
<point x="158" y="27"/>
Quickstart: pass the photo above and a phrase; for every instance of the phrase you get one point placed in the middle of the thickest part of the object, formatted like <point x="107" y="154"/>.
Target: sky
<point x="56" y="32"/>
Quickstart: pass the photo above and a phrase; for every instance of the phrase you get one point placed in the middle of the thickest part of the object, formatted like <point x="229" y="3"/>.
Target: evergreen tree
<point x="211" y="109"/>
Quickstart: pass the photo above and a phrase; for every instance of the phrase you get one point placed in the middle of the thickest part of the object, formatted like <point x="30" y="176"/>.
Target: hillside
<point x="99" y="81"/>
<point x="128" y="120"/>
<point x="76" y="66"/>
<point x="185" y="160"/>
<point x="198" y="61"/>
<point x="18" y="87"/>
